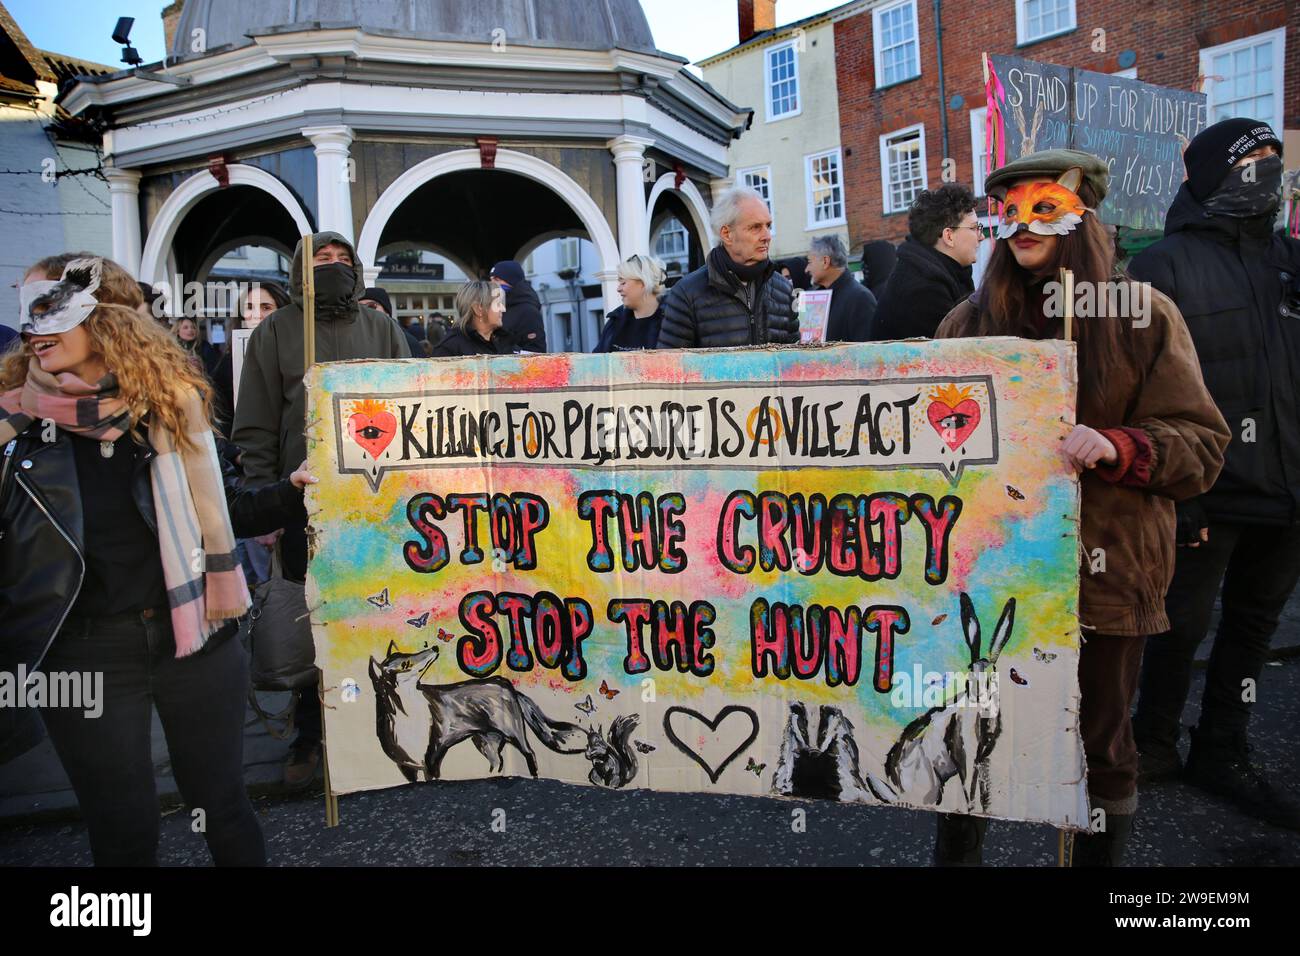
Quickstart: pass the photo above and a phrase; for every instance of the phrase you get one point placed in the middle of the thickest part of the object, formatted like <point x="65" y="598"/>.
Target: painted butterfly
<point x="756" y="768"/>
<point x="644" y="747"/>
<point x="1016" y="678"/>
<point x="586" y="706"/>
<point x="444" y="635"/>
<point x="380" y="600"/>
<point x="1015" y="493"/>
<point x="420" y="621"/>
<point x="1041" y="655"/>
<point x="608" y="694"/>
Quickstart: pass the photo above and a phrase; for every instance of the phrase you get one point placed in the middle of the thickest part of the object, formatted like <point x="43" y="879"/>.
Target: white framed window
<point x="902" y="166"/>
<point x="671" y="241"/>
<point x="825" y="187"/>
<point x="781" y="81"/>
<point x="894" y="35"/>
<point x="568" y="255"/>
<point x="978" y="147"/>
<point x="1040" y="19"/>
<point x="1244" y="78"/>
<point x="759" y="179"/>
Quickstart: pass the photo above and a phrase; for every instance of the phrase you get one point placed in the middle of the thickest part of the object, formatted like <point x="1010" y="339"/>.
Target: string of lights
<point x="223" y="111"/>
<point x="19" y="212"/>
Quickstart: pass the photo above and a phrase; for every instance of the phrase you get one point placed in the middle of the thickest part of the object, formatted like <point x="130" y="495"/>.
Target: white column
<point x="124" y="191"/>
<point x="371" y="273"/>
<point x="633" y="230"/>
<point x="608" y="279"/>
<point x="720" y="186"/>
<point x="333" y="178"/>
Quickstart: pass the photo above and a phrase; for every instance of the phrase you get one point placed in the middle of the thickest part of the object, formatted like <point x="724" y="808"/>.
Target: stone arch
<point x="692" y="199"/>
<point x="510" y="161"/>
<point x="157" y="249"/>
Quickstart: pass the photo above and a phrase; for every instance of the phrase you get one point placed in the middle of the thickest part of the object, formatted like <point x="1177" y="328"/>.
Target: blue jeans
<point x="201" y="702"/>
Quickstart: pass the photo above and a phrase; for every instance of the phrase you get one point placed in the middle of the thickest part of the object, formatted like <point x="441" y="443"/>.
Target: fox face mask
<point x="1048" y="209"/>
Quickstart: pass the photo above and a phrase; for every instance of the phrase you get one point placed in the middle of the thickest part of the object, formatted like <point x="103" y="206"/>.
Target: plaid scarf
<point x="205" y="582"/>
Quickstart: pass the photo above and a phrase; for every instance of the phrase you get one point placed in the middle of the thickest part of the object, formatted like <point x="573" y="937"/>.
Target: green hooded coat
<point x="271" y="413"/>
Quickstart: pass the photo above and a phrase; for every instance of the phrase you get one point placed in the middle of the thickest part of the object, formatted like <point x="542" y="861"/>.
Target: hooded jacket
<point x="271" y="414"/>
<point x="523" y="317"/>
<point x="1232" y="279"/>
<point x="1170" y="438"/>
<point x="922" y="289"/>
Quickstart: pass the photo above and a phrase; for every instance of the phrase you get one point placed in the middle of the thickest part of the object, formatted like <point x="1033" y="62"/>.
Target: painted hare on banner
<point x="956" y="740"/>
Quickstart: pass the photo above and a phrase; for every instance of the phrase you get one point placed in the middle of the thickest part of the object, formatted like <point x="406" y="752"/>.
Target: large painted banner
<point x="847" y="572"/>
<point x="1140" y="129"/>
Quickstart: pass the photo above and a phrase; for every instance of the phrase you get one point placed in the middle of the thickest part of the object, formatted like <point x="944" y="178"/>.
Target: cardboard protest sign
<point x="847" y="572"/>
<point x="238" y="346"/>
<point x="814" y="310"/>
<point x="1140" y="129"/>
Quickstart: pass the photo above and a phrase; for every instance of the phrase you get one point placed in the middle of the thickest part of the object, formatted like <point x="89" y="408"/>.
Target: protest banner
<point x="847" y="572"/>
<point x="813" y="306"/>
<point x="238" y="346"/>
<point x="1138" y="128"/>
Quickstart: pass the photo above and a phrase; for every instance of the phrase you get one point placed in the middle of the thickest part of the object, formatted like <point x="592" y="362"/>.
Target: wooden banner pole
<point x="1067" y="290"/>
<point x="308" y="305"/>
<point x="1065" y="844"/>
<point x="308" y="360"/>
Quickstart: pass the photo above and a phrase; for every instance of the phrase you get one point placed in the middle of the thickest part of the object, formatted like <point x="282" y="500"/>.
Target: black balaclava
<point x="335" y="287"/>
<point x="1253" y="191"/>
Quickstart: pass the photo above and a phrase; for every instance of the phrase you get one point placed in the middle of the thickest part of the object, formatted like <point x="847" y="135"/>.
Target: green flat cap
<point x="1049" y="162"/>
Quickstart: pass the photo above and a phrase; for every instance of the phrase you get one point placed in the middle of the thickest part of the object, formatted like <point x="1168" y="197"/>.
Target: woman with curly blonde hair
<point x="117" y="562"/>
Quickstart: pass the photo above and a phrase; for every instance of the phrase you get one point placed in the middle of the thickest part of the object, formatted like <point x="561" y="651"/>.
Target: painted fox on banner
<point x="846" y="572"/>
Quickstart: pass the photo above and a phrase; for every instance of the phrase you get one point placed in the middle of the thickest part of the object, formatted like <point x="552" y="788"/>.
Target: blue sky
<point x="82" y="28"/>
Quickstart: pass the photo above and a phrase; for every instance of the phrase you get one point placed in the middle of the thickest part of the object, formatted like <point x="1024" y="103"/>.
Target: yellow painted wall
<point x="783" y="143"/>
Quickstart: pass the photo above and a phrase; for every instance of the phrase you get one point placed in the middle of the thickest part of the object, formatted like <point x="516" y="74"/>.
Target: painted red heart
<point x="954" y="425"/>
<point x="372" y="432"/>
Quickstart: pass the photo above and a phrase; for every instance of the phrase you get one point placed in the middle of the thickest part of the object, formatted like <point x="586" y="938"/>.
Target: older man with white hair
<point x="738" y="297"/>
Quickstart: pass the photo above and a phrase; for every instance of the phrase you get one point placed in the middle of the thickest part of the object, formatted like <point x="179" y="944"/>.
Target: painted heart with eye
<point x="954" y="415"/>
<point x="372" y="427"/>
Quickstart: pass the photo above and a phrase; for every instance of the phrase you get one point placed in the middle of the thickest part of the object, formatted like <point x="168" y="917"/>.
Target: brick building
<point x="893" y="111"/>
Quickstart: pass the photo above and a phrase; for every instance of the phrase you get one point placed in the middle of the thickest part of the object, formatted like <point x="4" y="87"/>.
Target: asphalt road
<point x="547" y="823"/>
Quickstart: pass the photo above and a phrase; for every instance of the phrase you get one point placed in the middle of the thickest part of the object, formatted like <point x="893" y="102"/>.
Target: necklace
<point x="106" y="449"/>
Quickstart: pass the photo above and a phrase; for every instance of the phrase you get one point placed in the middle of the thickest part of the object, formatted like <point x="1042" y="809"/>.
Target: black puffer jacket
<point x="923" y="288"/>
<point x="708" y="309"/>
<point x="1236" y="283"/>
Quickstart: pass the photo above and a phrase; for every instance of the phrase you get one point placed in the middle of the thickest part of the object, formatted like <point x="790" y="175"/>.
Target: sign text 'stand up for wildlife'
<point x="1139" y="129"/>
<point x="848" y="572"/>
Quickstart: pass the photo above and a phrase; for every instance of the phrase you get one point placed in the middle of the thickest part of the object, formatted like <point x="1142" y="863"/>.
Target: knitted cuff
<point x="1135" y="457"/>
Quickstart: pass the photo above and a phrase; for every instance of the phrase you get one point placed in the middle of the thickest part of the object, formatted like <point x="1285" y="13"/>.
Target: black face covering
<point x="1249" y="192"/>
<point x="336" y="284"/>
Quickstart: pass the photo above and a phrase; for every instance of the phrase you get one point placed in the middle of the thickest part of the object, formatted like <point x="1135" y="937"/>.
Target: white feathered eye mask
<point x="50" y="307"/>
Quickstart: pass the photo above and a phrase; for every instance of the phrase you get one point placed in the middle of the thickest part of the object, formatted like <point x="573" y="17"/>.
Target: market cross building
<point x="475" y="130"/>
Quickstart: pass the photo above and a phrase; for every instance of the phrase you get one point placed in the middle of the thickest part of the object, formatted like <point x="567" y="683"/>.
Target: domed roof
<point x="571" y="24"/>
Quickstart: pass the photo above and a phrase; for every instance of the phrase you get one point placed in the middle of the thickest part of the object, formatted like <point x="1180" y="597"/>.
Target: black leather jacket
<point x="42" y="562"/>
<point x="41" y="540"/>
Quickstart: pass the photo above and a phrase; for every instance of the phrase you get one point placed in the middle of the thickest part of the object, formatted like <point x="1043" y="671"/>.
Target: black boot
<point x="1157" y="762"/>
<point x="1221" y="765"/>
<point x="1105" y="847"/>
<point x="959" y="840"/>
